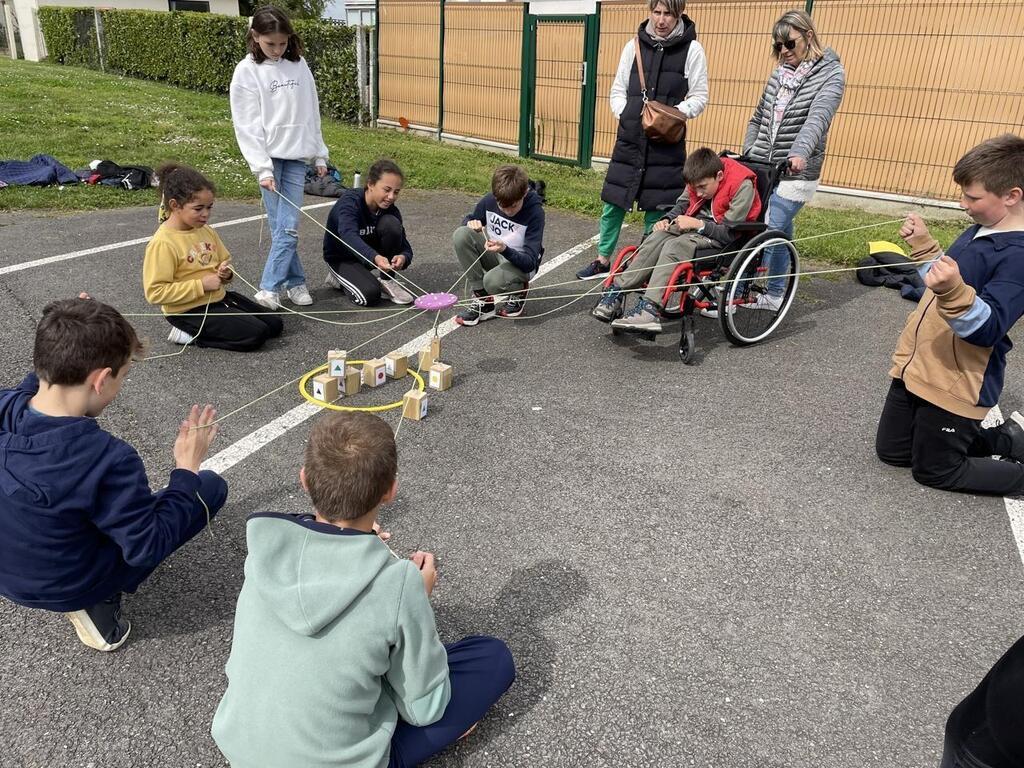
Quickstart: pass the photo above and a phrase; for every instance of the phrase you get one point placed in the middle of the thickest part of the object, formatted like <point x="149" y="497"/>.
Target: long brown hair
<point x="270" y="20"/>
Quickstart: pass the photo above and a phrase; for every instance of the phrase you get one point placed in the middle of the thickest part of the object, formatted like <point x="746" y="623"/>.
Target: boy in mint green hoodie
<point x="335" y="659"/>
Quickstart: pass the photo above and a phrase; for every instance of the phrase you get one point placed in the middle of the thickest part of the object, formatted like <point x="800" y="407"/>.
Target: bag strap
<point x="640" y="68"/>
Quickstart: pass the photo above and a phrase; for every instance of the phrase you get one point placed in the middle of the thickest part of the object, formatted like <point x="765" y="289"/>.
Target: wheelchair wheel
<point x="687" y="341"/>
<point x="746" y="287"/>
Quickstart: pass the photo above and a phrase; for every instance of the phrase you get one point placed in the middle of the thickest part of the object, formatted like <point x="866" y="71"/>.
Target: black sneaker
<point x="515" y="304"/>
<point x="594" y="270"/>
<point x="610" y="306"/>
<point x="102" y="626"/>
<point x="481" y="309"/>
<point x="1015" y="433"/>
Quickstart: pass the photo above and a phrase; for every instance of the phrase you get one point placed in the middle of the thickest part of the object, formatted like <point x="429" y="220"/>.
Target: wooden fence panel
<point x="483" y="50"/>
<point x="409" y="60"/>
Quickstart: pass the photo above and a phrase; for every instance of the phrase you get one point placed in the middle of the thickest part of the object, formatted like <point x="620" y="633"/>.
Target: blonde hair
<point x="802" y="22"/>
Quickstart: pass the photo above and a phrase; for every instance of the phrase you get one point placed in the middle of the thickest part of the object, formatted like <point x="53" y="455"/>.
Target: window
<point x="203" y="6"/>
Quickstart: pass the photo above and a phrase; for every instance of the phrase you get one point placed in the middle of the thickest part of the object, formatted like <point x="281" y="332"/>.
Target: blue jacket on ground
<point x="41" y="169"/>
<point x="76" y="510"/>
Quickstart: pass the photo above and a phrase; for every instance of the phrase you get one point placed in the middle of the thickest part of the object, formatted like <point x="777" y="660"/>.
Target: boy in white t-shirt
<point x="500" y="245"/>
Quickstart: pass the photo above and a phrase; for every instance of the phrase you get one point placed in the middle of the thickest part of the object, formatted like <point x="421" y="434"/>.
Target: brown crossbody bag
<point x="660" y="122"/>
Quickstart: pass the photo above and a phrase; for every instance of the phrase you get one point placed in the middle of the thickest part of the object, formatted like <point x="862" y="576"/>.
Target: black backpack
<point x="129" y="176"/>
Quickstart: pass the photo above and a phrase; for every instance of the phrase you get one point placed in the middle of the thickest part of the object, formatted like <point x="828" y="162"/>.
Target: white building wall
<point x="32" y="36"/>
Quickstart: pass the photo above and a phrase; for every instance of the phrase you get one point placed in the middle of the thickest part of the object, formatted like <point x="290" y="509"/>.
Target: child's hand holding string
<point x="194" y="437"/>
<point x="425" y="562"/>
<point x="224" y="271"/>
<point x="943" y="275"/>
<point x="494" y="246"/>
<point x="914" y="233"/>
<point x="211" y="282"/>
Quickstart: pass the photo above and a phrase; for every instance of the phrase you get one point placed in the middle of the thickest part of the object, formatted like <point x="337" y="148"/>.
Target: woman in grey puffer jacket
<point x="791" y="123"/>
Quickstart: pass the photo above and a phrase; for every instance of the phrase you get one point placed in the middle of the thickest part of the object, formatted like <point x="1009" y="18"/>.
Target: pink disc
<point x="436" y="301"/>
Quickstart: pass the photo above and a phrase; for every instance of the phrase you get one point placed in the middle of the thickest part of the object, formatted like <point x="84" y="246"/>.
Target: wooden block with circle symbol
<point x="325" y="388"/>
<point x="430" y="355"/>
<point x="374" y="373"/>
<point x="440" y="377"/>
<point x="336" y="362"/>
<point x="396" y="365"/>
<point x="351" y="381"/>
<point x="414" y="405"/>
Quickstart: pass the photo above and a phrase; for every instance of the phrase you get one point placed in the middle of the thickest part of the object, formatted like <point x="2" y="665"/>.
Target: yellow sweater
<point x="175" y="265"/>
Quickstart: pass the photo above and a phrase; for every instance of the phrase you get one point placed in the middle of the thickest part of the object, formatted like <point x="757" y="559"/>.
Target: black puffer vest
<point x="646" y="172"/>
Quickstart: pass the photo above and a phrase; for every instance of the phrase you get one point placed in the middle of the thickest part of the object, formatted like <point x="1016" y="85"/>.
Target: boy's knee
<point x="495" y="282"/>
<point x="498" y="659"/>
<point x="890" y="457"/>
<point x="213" y="489"/>
<point x="274" y="326"/>
<point x="462" y="237"/>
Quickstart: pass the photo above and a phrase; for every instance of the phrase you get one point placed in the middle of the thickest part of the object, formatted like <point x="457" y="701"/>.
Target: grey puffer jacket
<point x="805" y="123"/>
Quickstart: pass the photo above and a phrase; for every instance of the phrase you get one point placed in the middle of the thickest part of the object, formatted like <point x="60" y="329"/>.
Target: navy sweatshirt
<point x="76" y="512"/>
<point x="522" y="234"/>
<point x="353" y="221"/>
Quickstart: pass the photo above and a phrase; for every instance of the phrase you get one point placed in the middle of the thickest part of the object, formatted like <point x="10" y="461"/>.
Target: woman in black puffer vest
<point x="650" y="173"/>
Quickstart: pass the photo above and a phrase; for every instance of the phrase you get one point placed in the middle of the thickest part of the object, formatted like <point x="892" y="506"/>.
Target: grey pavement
<point x="693" y="565"/>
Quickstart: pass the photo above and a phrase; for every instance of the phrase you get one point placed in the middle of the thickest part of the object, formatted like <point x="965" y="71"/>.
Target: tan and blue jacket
<point x="952" y="351"/>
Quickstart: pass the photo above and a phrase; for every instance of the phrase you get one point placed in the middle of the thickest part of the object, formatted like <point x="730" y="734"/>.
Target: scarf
<point x="790" y="79"/>
<point x="678" y="31"/>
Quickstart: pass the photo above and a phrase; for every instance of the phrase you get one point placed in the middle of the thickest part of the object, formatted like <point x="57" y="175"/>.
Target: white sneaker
<point x="332" y="281"/>
<point x="764" y="301"/>
<point x="396" y="293"/>
<point x="299" y="294"/>
<point x="178" y="336"/>
<point x="268" y="299"/>
<point x="712" y="313"/>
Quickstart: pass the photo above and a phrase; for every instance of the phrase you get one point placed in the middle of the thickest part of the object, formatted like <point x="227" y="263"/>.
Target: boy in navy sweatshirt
<point x="78" y="523"/>
<point x="950" y="359"/>
<point x="500" y="245"/>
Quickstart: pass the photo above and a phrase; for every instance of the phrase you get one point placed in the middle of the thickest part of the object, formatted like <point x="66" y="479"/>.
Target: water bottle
<point x="357" y="180"/>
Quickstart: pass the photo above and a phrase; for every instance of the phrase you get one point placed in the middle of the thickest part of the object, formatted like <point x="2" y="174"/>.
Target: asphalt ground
<point x="693" y="565"/>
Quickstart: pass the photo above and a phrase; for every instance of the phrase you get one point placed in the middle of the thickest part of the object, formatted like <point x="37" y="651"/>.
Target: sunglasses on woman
<point x="789" y="45"/>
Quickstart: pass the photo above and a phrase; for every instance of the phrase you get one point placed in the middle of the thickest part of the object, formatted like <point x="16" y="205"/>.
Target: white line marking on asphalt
<point x="126" y="244"/>
<point x="248" y="445"/>
<point x="1014" y="507"/>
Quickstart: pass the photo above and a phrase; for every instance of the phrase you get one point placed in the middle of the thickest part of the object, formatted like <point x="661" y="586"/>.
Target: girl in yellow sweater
<point x="187" y="267"/>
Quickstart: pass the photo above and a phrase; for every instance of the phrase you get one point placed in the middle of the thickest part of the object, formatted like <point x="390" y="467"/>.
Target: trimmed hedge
<point x="70" y="35"/>
<point x="199" y="51"/>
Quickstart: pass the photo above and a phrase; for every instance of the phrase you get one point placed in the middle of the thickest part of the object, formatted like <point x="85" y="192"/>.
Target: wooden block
<point x="415" y="405"/>
<point x="396" y="365"/>
<point x="351" y="381"/>
<point x="440" y="377"/>
<point x="374" y="373"/>
<point x="325" y="388"/>
<point x="336" y="362"/>
<point x="430" y="355"/>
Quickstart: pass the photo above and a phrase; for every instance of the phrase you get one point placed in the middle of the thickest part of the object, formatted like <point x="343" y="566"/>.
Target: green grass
<point x="78" y="115"/>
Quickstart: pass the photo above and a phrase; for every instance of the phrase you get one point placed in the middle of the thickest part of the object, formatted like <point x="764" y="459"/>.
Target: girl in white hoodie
<point x="276" y="115"/>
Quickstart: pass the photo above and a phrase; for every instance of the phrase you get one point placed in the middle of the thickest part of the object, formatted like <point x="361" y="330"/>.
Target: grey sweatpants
<point x="492" y="272"/>
<point x="656" y="259"/>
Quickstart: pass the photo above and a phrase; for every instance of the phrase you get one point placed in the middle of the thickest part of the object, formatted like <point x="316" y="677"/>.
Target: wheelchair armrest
<point x="748" y="227"/>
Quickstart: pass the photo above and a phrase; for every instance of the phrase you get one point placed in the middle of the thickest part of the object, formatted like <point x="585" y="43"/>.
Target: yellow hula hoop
<point x="365" y="408"/>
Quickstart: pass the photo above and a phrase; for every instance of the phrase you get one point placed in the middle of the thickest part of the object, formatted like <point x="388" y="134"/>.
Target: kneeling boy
<point x="500" y="245"/>
<point x="335" y="659"/>
<point x="80" y="525"/>
<point x="720" y="191"/>
<point x="950" y="360"/>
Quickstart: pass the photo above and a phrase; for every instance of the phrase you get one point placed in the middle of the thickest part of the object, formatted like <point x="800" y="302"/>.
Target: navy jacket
<point x="356" y="224"/>
<point x="76" y="511"/>
<point x="523" y="234"/>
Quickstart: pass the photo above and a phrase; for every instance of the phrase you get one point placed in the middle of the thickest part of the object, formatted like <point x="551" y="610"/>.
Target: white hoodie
<point x="276" y="114"/>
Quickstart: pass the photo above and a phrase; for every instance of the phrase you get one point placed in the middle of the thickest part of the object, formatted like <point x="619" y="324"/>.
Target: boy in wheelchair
<point x="720" y="191"/>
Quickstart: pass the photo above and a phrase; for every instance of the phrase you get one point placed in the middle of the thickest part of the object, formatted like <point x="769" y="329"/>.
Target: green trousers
<point x="611" y="225"/>
<point x="492" y="272"/>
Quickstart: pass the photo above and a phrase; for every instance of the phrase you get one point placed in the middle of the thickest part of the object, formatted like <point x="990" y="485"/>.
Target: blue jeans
<point x="480" y="669"/>
<point x="283" y="269"/>
<point x="781" y="213"/>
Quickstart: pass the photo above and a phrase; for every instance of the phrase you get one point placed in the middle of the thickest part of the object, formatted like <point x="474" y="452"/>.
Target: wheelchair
<point x="729" y="279"/>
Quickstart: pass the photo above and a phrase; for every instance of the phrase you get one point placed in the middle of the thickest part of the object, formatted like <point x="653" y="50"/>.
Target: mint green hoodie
<point x="334" y="640"/>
